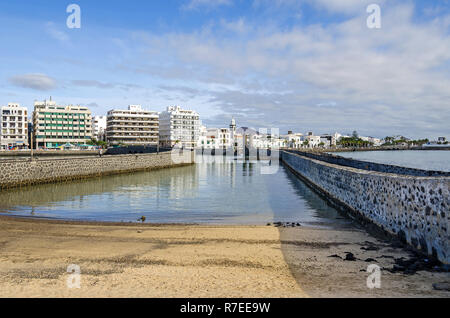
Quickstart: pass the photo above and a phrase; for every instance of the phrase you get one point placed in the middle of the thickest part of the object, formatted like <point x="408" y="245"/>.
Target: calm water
<point x="224" y="192"/>
<point x="438" y="160"/>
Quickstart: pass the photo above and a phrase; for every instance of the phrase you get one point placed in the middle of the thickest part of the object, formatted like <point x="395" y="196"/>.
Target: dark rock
<point x="335" y="255"/>
<point x="442" y="286"/>
<point x="370" y="248"/>
<point x="350" y="257"/>
<point x="371" y="260"/>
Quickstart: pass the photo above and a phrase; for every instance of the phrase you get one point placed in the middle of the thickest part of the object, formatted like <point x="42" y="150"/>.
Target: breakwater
<point x="409" y="204"/>
<point x="21" y="172"/>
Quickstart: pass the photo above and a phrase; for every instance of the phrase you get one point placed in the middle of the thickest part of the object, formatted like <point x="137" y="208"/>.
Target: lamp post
<point x="31" y="142"/>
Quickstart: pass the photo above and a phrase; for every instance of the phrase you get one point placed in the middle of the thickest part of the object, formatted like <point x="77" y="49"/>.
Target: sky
<point x="301" y="65"/>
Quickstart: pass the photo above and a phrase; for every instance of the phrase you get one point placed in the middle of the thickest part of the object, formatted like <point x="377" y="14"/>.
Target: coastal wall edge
<point x="415" y="209"/>
<point x="18" y="173"/>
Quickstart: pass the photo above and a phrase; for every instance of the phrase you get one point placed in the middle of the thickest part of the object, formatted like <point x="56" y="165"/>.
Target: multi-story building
<point x="99" y="128"/>
<point x="214" y="138"/>
<point x="179" y="127"/>
<point x="14" y="127"/>
<point x="55" y="126"/>
<point x="134" y="126"/>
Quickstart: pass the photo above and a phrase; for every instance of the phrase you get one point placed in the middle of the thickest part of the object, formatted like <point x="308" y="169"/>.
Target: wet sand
<point x="135" y="260"/>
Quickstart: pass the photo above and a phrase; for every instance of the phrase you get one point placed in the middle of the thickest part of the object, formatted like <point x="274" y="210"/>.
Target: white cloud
<point x="379" y="81"/>
<point x="344" y="6"/>
<point x="56" y="33"/>
<point x="40" y="82"/>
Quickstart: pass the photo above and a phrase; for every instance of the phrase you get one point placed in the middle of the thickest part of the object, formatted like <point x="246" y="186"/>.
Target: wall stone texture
<point x="414" y="208"/>
<point x="372" y="166"/>
<point x="15" y="173"/>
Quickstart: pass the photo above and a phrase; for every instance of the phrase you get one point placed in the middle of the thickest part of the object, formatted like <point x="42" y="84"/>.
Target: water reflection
<point x="217" y="191"/>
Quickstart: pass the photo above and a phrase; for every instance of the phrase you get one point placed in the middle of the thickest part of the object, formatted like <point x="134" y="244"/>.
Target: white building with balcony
<point x="55" y="126"/>
<point x="99" y="128"/>
<point x="14" y="127"/>
<point x="132" y="127"/>
<point x="215" y="138"/>
<point x="179" y="127"/>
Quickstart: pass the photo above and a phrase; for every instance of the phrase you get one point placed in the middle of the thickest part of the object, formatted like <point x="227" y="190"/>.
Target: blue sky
<point x="303" y="65"/>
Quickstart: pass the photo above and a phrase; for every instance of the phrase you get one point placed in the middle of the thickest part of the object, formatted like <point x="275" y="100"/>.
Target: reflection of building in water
<point x="128" y="189"/>
<point x="216" y="166"/>
<point x="181" y="184"/>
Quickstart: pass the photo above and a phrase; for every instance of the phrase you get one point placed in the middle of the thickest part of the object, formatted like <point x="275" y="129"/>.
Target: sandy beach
<point x="139" y="260"/>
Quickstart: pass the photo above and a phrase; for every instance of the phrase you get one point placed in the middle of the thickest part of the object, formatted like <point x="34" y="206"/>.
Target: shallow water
<point x="438" y="160"/>
<point x="219" y="192"/>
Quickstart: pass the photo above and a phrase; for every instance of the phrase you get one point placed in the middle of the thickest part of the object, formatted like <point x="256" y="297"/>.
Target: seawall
<point x="413" y="208"/>
<point x="14" y="173"/>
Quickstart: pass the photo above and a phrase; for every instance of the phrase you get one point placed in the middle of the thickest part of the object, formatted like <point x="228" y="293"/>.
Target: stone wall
<point x="372" y="166"/>
<point x="416" y="209"/>
<point x="15" y="173"/>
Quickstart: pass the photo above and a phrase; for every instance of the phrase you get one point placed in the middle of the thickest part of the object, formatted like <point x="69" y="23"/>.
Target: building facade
<point x="179" y="127"/>
<point x="99" y="128"/>
<point x="134" y="126"/>
<point x="14" y="127"/>
<point x="214" y="138"/>
<point x="55" y="126"/>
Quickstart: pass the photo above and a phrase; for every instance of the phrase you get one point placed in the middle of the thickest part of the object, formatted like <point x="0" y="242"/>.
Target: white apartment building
<point x="14" y="127"/>
<point x="214" y="138"/>
<point x="55" y="126"/>
<point x="134" y="126"/>
<point x="99" y="128"/>
<point x="179" y="127"/>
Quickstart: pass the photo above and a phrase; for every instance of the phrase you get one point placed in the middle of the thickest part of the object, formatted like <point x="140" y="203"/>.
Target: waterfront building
<point x="56" y="126"/>
<point x="312" y="140"/>
<point x="214" y="138"/>
<point x="202" y="138"/>
<point x="328" y="140"/>
<point x="14" y="127"/>
<point x="222" y="136"/>
<point x="134" y="126"/>
<point x="292" y="140"/>
<point x="99" y="128"/>
<point x="179" y="127"/>
<point x="373" y="140"/>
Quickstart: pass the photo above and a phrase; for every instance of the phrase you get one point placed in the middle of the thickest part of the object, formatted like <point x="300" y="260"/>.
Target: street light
<point x="31" y="143"/>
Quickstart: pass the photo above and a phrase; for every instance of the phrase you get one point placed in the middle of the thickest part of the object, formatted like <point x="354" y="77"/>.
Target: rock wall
<point x="15" y="173"/>
<point x="372" y="166"/>
<point x="416" y="209"/>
